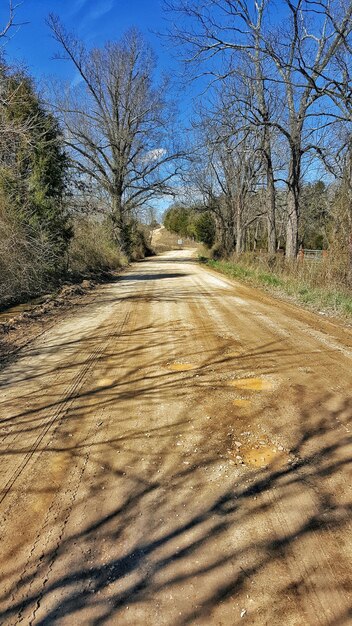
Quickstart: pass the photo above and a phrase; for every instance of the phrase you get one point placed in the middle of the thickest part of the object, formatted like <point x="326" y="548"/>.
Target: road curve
<point x="178" y="452"/>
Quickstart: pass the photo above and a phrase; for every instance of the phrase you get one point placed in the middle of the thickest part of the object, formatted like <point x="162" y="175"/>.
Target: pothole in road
<point x="181" y="367"/>
<point x="105" y="382"/>
<point x="241" y="403"/>
<point x="260" y="455"/>
<point x="252" y="384"/>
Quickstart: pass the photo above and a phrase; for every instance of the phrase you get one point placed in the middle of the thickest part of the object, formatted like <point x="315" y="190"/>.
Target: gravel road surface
<point x="178" y="452"/>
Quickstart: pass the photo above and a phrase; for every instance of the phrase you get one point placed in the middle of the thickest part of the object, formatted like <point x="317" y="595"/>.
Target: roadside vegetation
<point x="271" y="161"/>
<point x="314" y="284"/>
<point x="70" y="208"/>
<point x="321" y="281"/>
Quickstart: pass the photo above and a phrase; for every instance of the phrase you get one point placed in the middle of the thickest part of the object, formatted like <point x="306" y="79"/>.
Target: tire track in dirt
<point x="58" y="504"/>
<point x="72" y="497"/>
<point x="70" y="397"/>
<point x="149" y="521"/>
<point x="15" y="421"/>
<point x="168" y="334"/>
<point x="325" y="610"/>
<point x="71" y="394"/>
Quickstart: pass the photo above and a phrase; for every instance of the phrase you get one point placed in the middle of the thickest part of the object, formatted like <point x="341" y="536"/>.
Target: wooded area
<point x="273" y="136"/>
<point x="265" y="164"/>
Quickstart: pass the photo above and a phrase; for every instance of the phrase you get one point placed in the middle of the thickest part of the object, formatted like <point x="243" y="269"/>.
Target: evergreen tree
<point x="33" y="161"/>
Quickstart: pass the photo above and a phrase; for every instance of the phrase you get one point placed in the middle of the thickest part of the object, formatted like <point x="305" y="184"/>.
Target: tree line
<point x="187" y="222"/>
<point x="278" y="110"/>
<point x="81" y="165"/>
<point x="265" y="163"/>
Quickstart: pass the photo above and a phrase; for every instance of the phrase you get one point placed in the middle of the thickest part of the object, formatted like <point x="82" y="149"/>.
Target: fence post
<point x="300" y="255"/>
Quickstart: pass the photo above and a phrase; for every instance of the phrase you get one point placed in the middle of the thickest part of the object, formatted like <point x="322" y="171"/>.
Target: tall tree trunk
<point x="119" y="223"/>
<point x="270" y="200"/>
<point x="292" y="225"/>
<point x="293" y="198"/>
<point x="228" y="238"/>
<point x="225" y="233"/>
<point x="229" y="228"/>
<point x="270" y="183"/>
<point x="239" y="230"/>
<point x="256" y="235"/>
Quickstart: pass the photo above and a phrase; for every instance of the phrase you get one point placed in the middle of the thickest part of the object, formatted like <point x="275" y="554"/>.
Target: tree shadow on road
<point x="177" y="530"/>
<point x="203" y="544"/>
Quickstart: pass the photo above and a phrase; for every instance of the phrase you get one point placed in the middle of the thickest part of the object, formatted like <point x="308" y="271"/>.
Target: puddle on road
<point x="181" y="367"/>
<point x="260" y="456"/>
<point x="241" y="402"/>
<point x="105" y="382"/>
<point x="251" y="384"/>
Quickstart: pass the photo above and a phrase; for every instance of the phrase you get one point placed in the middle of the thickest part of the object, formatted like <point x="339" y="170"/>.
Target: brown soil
<point x="177" y="452"/>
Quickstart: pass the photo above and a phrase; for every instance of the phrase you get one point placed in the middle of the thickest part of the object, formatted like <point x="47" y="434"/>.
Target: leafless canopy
<point x="10" y="20"/>
<point x="296" y="68"/>
<point x="118" y="124"/>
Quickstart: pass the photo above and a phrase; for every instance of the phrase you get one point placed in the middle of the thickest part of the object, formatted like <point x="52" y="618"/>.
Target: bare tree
<point x="302" y="55"/>
<point x="11" y="18"/>
<point x="243" y="27"/>
<point x="253" y="107"/>
<point x="305" y="58"/>
<point x="118" y="124"/>
<point x="229" y="171"/>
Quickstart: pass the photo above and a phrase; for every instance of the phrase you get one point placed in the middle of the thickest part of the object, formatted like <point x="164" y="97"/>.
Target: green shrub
<point x="138" y="240"/>
<point x="204" y="229"/>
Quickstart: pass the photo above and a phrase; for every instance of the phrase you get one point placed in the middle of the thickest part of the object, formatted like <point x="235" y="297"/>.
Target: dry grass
<point x="30" y="265"/>
<point x="324" y="285"/>
<point x="92" y="249"/>
<point x="27" y="260"/>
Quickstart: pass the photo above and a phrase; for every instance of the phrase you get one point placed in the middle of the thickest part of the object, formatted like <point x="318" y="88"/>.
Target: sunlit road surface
<point x="177" y="452"/>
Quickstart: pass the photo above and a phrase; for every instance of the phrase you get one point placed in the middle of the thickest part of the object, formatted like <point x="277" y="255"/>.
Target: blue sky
<point x="95" y="21"/>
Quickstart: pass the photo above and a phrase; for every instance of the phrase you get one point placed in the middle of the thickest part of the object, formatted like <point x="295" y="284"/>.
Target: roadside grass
<point x="298" y="284"/>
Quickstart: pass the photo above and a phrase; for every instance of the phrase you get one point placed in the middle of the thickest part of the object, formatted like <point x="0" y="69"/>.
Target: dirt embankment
<point x="163" y="240"/>
<point x="21" y="324"/>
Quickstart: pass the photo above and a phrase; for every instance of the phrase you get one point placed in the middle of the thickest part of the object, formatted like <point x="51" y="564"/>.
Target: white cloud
<point x="77" y="79"/>
<point x="101" y="9"/>
<point x="154" y="155"/>
<point x="77" y="6"/>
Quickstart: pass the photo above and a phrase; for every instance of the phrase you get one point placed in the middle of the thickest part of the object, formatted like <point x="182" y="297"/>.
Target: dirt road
<point x="177" y="453"/>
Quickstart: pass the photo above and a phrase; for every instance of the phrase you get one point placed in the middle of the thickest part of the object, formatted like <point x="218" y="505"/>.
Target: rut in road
<point x="178" y="453"/>
<point x="59" y="410"/>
